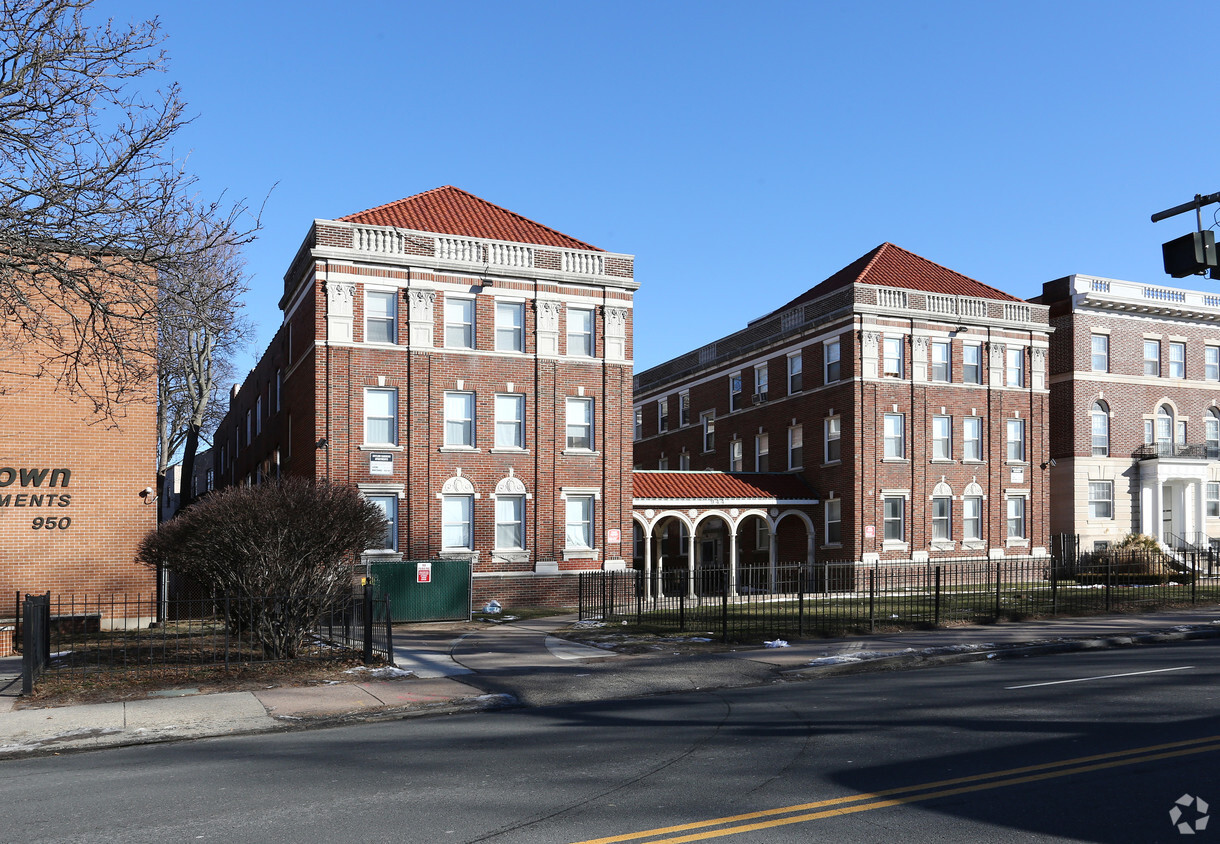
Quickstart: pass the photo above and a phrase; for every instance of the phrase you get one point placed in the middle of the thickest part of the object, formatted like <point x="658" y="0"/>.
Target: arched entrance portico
<point x="722" y="544"/>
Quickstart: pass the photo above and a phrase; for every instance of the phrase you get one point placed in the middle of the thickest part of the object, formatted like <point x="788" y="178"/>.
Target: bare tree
<point x="92" y="202"/>
<point x="201" y="328"/>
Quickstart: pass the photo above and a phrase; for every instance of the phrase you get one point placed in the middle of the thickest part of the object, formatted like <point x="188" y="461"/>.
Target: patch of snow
<point x="385" y="673"/>
<point x="859" y="656"/>
<point x="589" y="623"/>
<point x="776" y="643"/>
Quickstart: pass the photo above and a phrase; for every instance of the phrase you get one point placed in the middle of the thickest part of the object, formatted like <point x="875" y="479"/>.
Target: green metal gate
<point x="424" y="590"/>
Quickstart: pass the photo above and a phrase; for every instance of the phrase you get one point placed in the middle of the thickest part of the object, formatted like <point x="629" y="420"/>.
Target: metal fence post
<point x="800" y="598"/>
<point x="368" y="625"/>
<point x="724" y="608"/>
<point x="683" y="581"/>
<point x="936" y="612"/>
<point x="1054" y="590"/>
<point x="227" y="629"/>
<point x="389" y="633"/>
<point x="998" y="574"/>
<point x="1194" y="578"/>
<point x="1109" y="578"/>
<point x="872" y="600"/>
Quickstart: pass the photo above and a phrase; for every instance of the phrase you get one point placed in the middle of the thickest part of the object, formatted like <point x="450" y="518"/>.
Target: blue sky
<point x="741" y="153"/>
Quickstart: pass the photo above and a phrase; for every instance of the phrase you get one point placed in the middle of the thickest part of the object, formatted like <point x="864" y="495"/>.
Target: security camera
<point x="147" y="491"/>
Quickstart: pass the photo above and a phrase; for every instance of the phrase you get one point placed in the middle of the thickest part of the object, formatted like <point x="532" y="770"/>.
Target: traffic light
<point x="1191" y="254"/>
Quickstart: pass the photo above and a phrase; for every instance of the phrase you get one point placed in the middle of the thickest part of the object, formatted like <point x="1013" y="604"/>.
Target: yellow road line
<point x="1012" y="776"/>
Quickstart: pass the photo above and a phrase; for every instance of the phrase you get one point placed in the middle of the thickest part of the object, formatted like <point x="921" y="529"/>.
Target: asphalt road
<point x="1079" y="747"/>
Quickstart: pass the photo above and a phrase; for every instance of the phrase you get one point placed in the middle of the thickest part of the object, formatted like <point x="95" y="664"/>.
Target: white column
<point x="690" y="565"/>
<point x="1158" y="503"/>
<point x="1147" y="502"/>
<point x="732" y="561"/>
<point x="1200" y="514"/>
<point x="772" y="560"/>
<point x="648" y="564"/>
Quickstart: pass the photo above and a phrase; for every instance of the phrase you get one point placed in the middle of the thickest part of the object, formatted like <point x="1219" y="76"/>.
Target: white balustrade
<point x="891" y="298"/>
<point x="583" y="263"/>
<point x="972" y="307"/>
<point x="939" y="304"/>
<point x="459" y="249"/>
<point x="1016" y="313"/>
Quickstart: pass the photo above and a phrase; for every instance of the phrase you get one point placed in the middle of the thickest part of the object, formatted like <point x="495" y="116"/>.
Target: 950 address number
<point x="51" y="523"/>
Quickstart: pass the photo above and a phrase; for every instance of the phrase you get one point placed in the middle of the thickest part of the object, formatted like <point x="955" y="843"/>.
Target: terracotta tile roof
<point x="892" y="266"/>
<point x="450" y="210"/>
<point x="695" y="485"/>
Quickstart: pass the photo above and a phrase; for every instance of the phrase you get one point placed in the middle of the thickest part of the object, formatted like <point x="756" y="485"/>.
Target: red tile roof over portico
<point x="719" y="485"/>
<point x="450" y="210"/>
<point x="892" y="266"/>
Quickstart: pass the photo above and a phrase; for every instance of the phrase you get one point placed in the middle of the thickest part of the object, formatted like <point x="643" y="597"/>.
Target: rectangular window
<point x="578" y="521"/>
<point x="893" y="512"/>
<point x="380" y="310"/>
<point x="736" y="450"/>
<point x="510" y="326"/>
<point x="663" y="415"/>
<point x="972" y="438"/>
<point x="459" y="420"/>
<point x="1015" y="439"/>
<point x="796" y="451"/>
<point x="279" y="388"/>
<point x="638" y="423"/>
<point x="456" y="514"/>
<point x="510" y="420"/>
<point x="1016" y="517"/>
<point x="663" y="463"/>
<point x="834" y="521"/>
<point x="258" y="416"/>
<point x="380" y="417"/>
<point x="580" y="332"/>
<point x="760" y="382"/>
<point x="762" y="457"/>
<point x="735" y="391"/>
<point x="249" y="427"/>
<point x="1101" y="499"/>
<point x="942" y="526"/>
<point x="684" y="461"/>
<point x="834" y="353"/>
<point x="580" y="423"/>
<point x="895" y="441"/>
<point x="833" y="429"/>
<point x="942" y="437"/>
<point x="1100" y="346"/>
<point x="1177" y="360"/>
<point x="459" y="323"/>
<point x="388" y="505"/>
<point x="795" y="364"/>
<point x="684" y="409"/>
<point x="1014" y="370"/>
<point x="972" y="517"/>
<point x="510" y="524"/>
<point x="1211" y="363"/>
<point x="972" y="363"/>
<point x="707" y="419"/>
<point x="940" y="361"/>
<point x="893" y="357"/>
<point x="1213" y="500"/>
<point x="1152" y="357"/>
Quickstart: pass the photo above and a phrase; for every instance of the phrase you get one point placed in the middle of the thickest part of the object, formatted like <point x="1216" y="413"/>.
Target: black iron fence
<point x="835" y="598"/>
<point x="82" y="635"/>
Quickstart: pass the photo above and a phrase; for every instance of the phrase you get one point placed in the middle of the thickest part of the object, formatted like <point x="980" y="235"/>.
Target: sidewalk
<point x="521" y="664"/>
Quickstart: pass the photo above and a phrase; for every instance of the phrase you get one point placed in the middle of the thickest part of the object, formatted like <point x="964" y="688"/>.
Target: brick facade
<point x="1154" y="464"/>
<point x="888" y="301"/>
<point x="71" y="510"/>
<point x="368" y="325"/>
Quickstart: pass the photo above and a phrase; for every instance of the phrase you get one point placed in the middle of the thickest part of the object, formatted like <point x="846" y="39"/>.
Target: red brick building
<point x="1135" y="411"/>
<point x="913" y="401"/>
<point x="77" y="487"/>
<point x="469" y="370"/>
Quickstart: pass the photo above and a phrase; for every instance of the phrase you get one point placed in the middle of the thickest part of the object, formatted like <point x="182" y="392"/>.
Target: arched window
<point x="1101" y="429"/>
<point x="1212" y="424"/>
<point x="1164" y="429"/>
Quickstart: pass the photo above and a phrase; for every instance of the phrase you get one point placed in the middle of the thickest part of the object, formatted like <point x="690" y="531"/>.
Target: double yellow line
<point x="839" y="806"/>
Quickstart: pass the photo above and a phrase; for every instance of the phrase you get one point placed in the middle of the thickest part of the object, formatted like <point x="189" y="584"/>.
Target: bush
<point x="291" y="542"/>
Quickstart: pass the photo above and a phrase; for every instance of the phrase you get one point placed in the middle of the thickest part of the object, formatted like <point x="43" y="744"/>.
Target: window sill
<point x="580" y="452"/>
<point x="894" y="545"/>
<point x="973" y="461"/>
<point x="510" y="555"/>
<point x="380" y="344"/>
<point x="459" y="449"/>
<point x="386" y="447"/>
<point x="580" y="553"/>
<point x="1014" y="542"/>
<point x="943" y="460"/>
<point x="508" y="450"/>
<point x="832" y="545"/>
<point x="894" y="460"/>
<point x="943" y="545"/>
<point x="973" y="545"/>
<point x="380" y="555"/>
<point x="833" y="463"/>
<point x="458" y="554"/>
<point x="1016" y="462"/>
